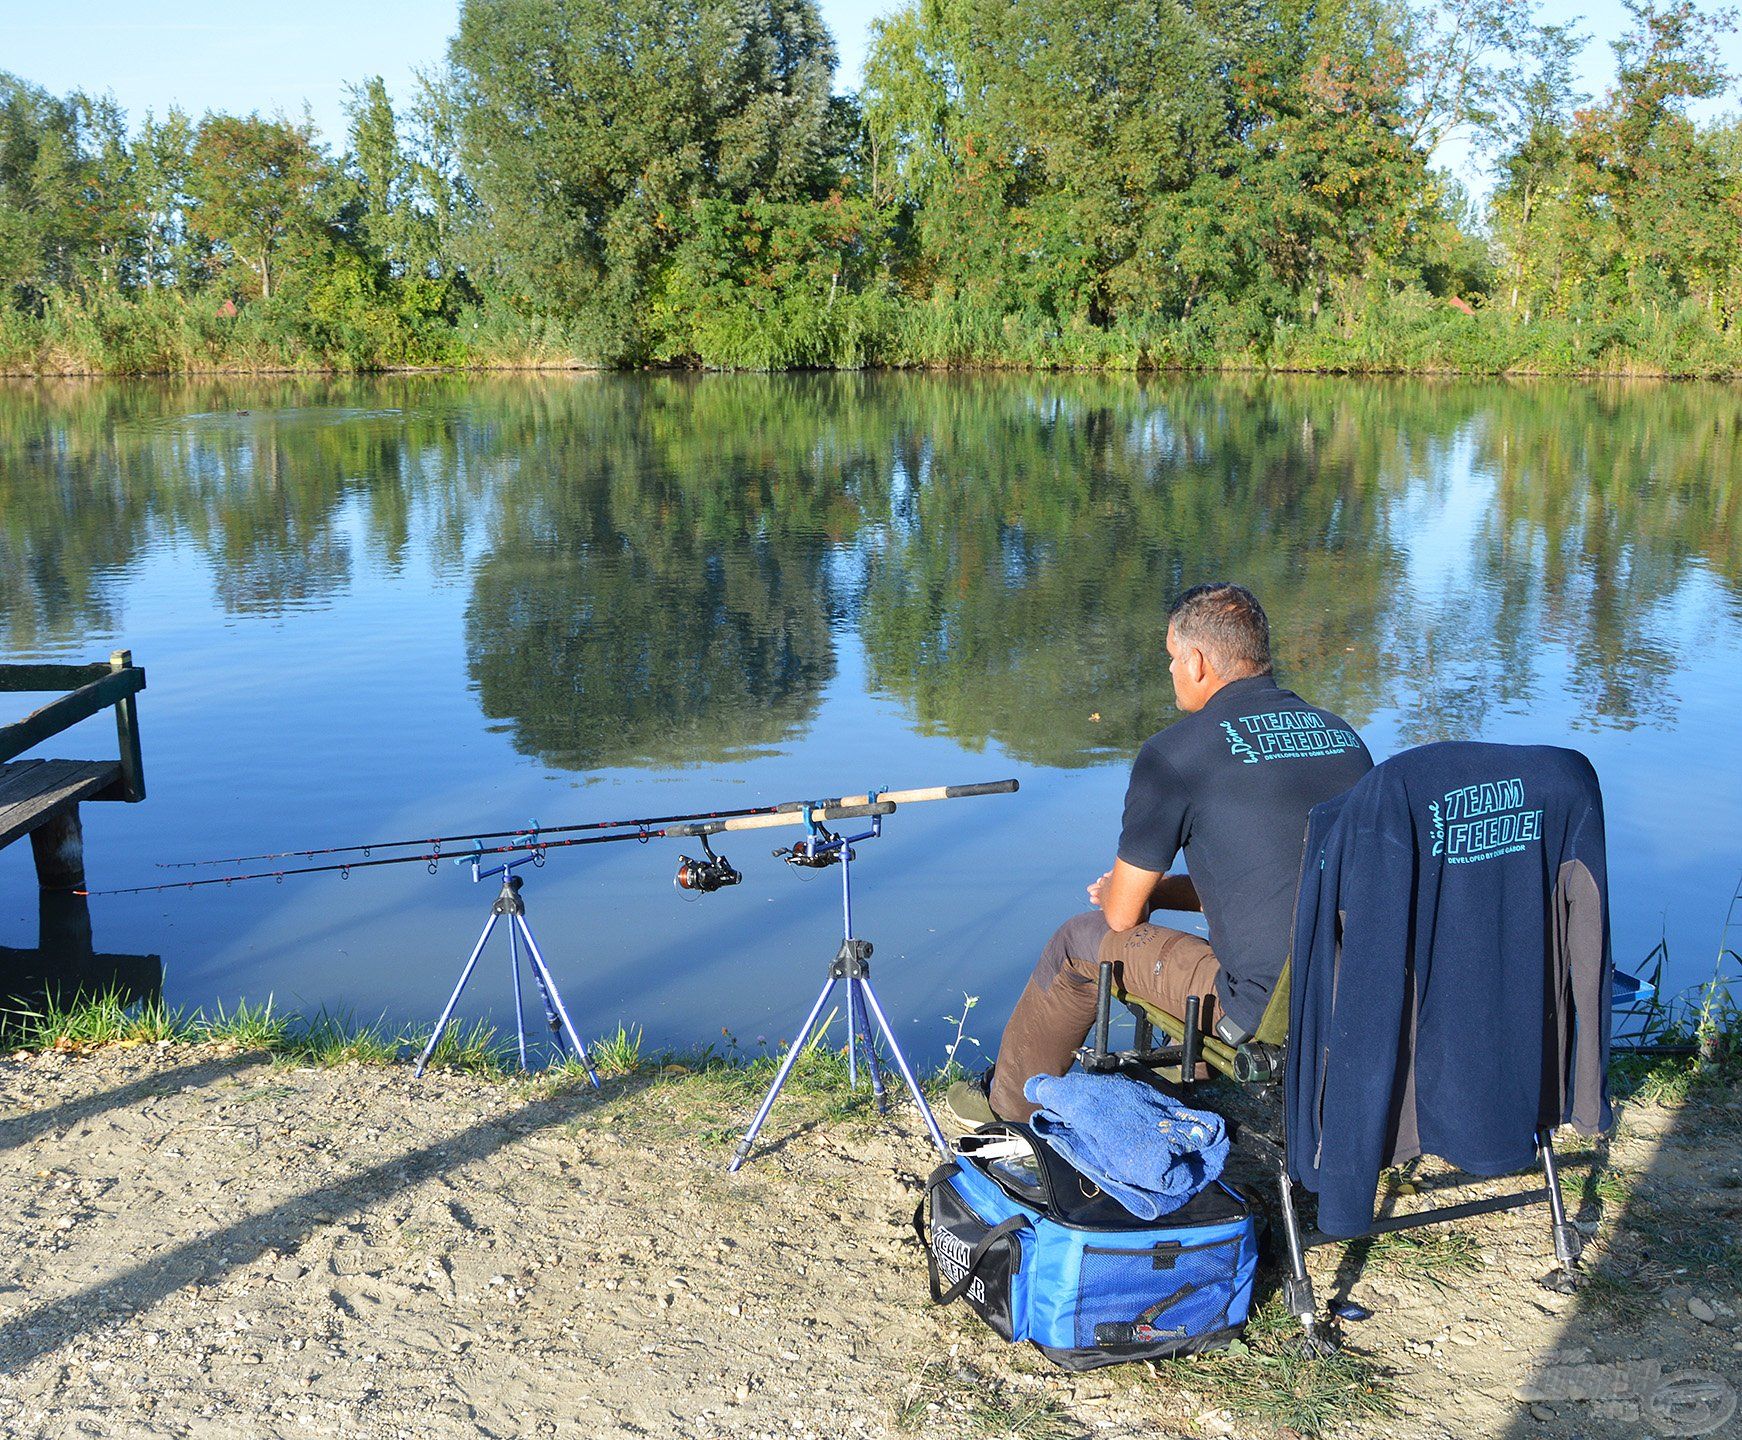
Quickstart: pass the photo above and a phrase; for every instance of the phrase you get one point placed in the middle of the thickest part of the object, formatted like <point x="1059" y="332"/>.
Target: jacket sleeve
<point x="1589" y="966"/>
<point x="1362" y="1048"/>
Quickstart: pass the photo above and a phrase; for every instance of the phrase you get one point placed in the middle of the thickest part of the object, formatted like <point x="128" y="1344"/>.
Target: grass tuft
<point x="251" y="1027"/>
<point x="1428" y="1254"/>
<point x="1270" y="1377"/>
<point x="334" y="1039"/>
<point x="476" y="1049"/>
<point x="618" y="1054"/>
<point x="90" y="1022"/>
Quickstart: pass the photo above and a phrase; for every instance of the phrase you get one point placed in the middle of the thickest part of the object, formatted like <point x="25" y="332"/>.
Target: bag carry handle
<point x="939" y="1295"/>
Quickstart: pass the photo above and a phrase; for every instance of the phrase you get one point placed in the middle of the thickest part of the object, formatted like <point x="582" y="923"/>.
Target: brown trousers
<point x="1052" y="1019"/>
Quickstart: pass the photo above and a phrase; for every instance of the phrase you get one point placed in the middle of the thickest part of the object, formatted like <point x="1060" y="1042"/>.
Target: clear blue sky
<point x="240" y="56"/>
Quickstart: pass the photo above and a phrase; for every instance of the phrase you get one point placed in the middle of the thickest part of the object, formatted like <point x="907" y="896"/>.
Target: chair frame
<point x="1257" y="1064"/>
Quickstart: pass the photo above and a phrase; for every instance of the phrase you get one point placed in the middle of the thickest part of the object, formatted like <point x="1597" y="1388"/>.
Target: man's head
<point x="1216" y="633"/>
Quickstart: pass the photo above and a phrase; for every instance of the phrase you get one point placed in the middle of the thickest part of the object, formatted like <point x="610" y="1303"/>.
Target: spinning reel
<point x="820" y="851"/>
<point x="707" y="875"/>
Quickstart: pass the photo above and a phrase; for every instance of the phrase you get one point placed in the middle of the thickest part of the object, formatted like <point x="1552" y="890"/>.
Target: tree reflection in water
<point x="656" y="565"/>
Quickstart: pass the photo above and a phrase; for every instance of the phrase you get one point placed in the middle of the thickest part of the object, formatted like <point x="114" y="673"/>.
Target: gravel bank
<point x="199" y="1243"/>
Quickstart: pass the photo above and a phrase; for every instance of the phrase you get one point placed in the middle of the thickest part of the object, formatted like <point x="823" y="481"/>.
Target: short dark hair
<point x="1228" y="624"/>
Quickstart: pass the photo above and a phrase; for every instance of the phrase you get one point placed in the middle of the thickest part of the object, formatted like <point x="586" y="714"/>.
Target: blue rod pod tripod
<point x="509" y="903"/>
<point x="852" y="963"/>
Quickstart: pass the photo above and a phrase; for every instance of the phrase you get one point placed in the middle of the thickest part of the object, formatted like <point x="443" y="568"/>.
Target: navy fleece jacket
<point x="1451" y="969"/>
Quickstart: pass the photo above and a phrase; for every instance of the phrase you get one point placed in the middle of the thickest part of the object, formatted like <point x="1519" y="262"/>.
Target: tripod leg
<point x="454" y="999"/>
<point x="550" y="1017"/>
<point x="853" y="1018"/>
<point x="553" y="997"/>
<point x="868" y="1038"/>
<point x="514" y="974"/>
<point x="792" y="1054"/>
<point x="931" y="1124"/>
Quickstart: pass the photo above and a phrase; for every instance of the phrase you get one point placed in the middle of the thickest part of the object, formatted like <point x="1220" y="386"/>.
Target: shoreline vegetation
<point x="624" y="185"/>
<point x="1690" y="1038"/>
<point x="168" y="336"/>
<point x="1403" y="335"/>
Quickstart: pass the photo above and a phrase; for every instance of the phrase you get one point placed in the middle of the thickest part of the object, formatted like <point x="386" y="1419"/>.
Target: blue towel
<point x="1144" y="1148"/>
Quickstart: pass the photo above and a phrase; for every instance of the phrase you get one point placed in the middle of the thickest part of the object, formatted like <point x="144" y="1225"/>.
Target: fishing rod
<point x="435" y="842"/>
<point x="531" y="833"/>
<point x="433" y="858"/>
<point x="699" y="875"/>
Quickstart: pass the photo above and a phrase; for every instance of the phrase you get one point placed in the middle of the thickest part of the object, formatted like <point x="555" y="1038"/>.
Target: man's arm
<point x="1127" y="893"/>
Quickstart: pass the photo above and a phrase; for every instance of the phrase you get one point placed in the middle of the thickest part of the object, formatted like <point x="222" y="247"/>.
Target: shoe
<point x="967" y="1104"/>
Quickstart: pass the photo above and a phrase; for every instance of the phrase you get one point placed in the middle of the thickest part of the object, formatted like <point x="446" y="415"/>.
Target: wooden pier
<point x="41" y="798"/>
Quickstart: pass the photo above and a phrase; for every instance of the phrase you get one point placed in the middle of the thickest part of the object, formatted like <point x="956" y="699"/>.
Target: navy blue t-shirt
<point x="1231" y="785"/>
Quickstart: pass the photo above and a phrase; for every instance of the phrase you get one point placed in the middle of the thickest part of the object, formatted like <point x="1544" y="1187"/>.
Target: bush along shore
<point x="1377" y="334"/>
<point x="244" y="1214"/>
<point x="636" y="184"/>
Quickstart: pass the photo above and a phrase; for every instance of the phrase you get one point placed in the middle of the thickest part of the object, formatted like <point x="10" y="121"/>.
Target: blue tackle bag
<point x="1041" y="1254"/>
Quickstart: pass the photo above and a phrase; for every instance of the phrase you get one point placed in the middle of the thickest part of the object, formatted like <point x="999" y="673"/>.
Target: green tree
<point x="256" y="186"/>
<point x="1529" y="135"/>
<point x="442" y="191"/>
<point x="105" y="198"/>
<point x="590" y="127"/>
<point x="162" y="160"/>
<point x="1462" y="57"/>
<point x="1654" y="178"/>
<point x="43" y="224"/>
<point x="380" y="167"/>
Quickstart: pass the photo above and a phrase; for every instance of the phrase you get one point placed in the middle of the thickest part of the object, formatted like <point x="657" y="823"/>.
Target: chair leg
<point x="1297" y="1285"/>
<point x="1567" y="1241"/>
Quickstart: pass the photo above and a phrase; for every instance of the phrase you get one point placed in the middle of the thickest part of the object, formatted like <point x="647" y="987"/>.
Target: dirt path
<point x="196" y="1243"/>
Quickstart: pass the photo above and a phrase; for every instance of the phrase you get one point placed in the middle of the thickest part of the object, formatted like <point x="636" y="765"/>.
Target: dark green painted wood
<point x="132" y="783"/>
<point x="49" y="677"/>
<point x="58" y="715"/>
<point x="32" y="790"/>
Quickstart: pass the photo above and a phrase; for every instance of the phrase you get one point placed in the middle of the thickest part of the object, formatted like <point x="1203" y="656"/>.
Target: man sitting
<point x="1231" y="784"/>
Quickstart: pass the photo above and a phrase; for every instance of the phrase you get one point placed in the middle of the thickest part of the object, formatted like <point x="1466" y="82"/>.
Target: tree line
<point x="1102" y="183"/>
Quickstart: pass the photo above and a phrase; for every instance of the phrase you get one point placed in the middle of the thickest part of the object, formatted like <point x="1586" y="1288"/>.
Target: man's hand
<point x="1127" y="894"/>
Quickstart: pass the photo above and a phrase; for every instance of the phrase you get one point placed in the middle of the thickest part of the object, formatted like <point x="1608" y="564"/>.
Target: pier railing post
<point x="127" y="734"/>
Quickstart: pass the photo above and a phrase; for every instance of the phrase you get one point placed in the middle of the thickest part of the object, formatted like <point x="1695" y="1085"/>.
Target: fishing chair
<point x="1257" y="1066"/>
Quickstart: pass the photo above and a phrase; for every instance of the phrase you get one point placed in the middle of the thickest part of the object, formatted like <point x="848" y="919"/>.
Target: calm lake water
<point x="413" y="606"/>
